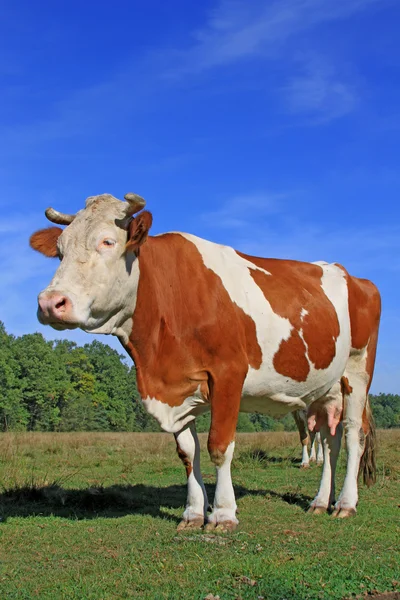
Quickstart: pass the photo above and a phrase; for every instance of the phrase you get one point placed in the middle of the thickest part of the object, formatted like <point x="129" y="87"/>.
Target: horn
<point x="58" y="217"/>
<point x="136" y="203"/>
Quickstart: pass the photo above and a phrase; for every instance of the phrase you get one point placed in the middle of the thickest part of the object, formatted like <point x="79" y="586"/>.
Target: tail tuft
<point x="368" y="459"/>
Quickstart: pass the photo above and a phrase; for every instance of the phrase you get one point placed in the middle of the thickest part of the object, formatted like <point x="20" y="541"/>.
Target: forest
<point x="60" y="386"/>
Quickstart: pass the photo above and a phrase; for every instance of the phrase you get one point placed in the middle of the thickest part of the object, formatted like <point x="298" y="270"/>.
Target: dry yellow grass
<point x="141" y="444"/>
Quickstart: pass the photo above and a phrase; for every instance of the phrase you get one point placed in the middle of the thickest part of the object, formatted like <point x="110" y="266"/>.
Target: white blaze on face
<point x="100" y="281"/>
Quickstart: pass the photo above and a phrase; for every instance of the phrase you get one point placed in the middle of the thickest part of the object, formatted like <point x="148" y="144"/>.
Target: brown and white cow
<point x="210" y="328"/>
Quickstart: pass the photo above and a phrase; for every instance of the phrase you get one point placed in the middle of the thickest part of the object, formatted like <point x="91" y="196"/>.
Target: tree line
<point x="60" y="386"/>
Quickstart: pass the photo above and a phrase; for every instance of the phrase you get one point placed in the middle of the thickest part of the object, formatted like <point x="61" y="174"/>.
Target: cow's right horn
<point x="136" y="203"/>
<point x="58" y="217"/>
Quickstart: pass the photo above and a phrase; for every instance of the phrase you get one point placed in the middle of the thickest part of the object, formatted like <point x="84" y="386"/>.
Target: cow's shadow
<point x="114" y="501"/>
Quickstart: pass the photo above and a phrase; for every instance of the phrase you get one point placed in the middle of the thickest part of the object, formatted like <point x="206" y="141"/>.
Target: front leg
<point x="224" y="415"/>
<point x="188" y="448"/>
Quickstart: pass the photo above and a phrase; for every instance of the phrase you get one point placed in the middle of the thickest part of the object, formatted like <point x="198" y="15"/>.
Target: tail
<point x="368" y="458"/>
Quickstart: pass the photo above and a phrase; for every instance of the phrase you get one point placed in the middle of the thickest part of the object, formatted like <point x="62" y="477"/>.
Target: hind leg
<point x="300" y="416"/>
<point x="354" y="385"/>
<point x="331" y="436"/>
<point x="313" y="440"/>
<point x="320" y="452"/>
<point x="317" y="453"/>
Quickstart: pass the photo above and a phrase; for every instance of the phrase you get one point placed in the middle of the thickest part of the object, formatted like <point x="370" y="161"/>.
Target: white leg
<point x="331" y="447"/>
<point x="355" y="402"/>
<point x="313" y="437"/>
<point x="188" y="448"/>
<point x="320" y="451"/>
<point x="223" y="515"/>
<point x="300" y="416"/>
<point x="305" y="460"/>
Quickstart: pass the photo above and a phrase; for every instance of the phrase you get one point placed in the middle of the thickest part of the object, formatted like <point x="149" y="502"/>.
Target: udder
<point x="327" y="410"/>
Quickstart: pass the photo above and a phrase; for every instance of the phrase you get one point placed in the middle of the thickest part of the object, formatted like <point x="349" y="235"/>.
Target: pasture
<point x="94" y="515"/>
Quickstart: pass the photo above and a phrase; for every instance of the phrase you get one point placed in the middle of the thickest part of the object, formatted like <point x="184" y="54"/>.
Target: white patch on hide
<point x="173" y="418"/>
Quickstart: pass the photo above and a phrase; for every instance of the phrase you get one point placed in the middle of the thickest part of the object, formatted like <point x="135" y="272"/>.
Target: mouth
<point x="58" y="324"/>
<point x="62" y="326"/>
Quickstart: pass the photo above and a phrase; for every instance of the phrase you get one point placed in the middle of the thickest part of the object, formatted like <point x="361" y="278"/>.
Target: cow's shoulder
<point x="185" y="323"/>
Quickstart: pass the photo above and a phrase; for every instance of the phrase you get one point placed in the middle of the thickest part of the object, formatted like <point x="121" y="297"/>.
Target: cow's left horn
<point x="58" y="217"/>
<point x="136" y="203"/>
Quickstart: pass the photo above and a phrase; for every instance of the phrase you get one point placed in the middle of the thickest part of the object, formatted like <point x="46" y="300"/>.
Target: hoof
<point x="317" y="510"/>
<point x="305" y="466"/>
<point x="192" y="524"/>
<point x="320" y="463"/>
<point x="222" y="527"/>
<point x="343" y="513"/>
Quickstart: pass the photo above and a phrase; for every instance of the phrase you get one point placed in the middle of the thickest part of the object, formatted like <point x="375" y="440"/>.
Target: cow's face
<point x="94" y="287"/>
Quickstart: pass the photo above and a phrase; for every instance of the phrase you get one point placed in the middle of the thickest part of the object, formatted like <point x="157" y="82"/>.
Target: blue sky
<point x="273" y="127"/>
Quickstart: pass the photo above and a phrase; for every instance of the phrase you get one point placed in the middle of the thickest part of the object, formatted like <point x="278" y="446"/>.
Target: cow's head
<point x="95" y="286"/>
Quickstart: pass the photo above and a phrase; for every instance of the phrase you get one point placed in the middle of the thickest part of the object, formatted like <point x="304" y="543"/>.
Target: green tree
<point x="113" y="387"/>
<point x="386" y="410"/>
<point x="13" y="414"/>
<point x="43" y="380"/>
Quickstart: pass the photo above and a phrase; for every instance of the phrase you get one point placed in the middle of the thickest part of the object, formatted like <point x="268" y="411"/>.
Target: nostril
<point x="61" y="303"/>
<point x="54" y="306"/>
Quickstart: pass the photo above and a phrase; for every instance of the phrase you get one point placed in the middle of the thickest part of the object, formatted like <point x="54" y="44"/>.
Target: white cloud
<point x="242" y="209"/>
<point x="319" y="92"/>
<point x="238" y="29"/>
<point x="235" y="30"/>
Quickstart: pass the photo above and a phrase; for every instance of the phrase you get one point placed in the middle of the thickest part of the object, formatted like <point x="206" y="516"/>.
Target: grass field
<point x="94" y="516"/>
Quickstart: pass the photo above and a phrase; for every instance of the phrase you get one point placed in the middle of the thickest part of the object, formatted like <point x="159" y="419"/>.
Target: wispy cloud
<point x="243" y="209"/>
<point x="363" y="250"/>
<point x="237" y="30"/>
<point x="264" y="224"/>
<point x="234" y="31"/>
<point x="318" y="92"/>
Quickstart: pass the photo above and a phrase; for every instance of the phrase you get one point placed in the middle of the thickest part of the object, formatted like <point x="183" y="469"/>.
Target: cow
<point x="211" y="328"/>
<point x="300" y="417"/>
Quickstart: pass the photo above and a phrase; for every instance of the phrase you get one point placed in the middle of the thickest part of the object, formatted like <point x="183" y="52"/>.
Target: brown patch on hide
<point x="217" y="456"/>
<point x="365" y="313"/>
<point x="345" y="386"/>
<point x="368" y="423"/>
<point x="290" y="288"/>
<point x="184" y="458"/>
<point x="45" y="241"/>
<point x="283" y="359"/>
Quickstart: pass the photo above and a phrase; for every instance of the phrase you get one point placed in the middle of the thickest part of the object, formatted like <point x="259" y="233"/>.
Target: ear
<point x="138" y="231"/>
<point x="45" y="241"/>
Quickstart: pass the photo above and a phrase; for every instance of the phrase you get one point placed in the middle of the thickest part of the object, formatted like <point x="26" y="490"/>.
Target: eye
<point x="108" y="243"/>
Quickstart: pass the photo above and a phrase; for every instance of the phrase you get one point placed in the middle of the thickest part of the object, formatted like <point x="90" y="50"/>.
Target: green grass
<point x="93" y="516"/>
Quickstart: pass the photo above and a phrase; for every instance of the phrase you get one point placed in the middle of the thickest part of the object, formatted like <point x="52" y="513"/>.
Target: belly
<point x="278" y="403"/>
